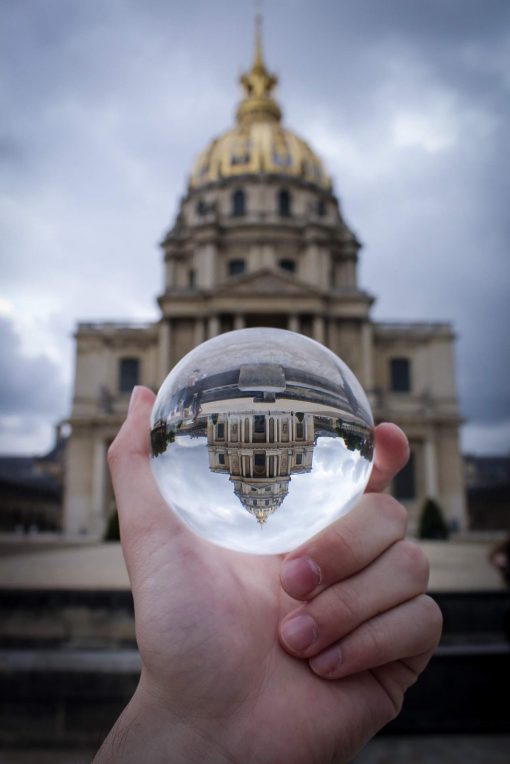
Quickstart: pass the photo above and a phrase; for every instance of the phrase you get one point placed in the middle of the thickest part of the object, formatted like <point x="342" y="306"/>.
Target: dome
<point x="258" y="143"/>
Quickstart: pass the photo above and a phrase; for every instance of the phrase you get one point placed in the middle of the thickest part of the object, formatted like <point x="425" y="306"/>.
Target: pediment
<point x="265" y="282"/>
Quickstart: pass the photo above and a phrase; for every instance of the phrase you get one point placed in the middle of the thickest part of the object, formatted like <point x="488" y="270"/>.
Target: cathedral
<point x="259" y="240"/>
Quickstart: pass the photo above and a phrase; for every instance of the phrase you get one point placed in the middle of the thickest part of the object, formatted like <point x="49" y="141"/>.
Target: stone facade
<point x="260" y="240"/>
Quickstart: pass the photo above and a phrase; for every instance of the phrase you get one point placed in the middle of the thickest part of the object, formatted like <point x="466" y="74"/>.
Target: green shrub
<point x="432" y="522"/>
<point x="112" y="532"/>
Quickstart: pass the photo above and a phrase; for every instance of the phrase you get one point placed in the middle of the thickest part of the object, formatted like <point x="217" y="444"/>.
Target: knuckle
<point x="346" y="544"/>
<point x="373" y="636"/>
<point x="432" y="616"/>
<point x="392" y="510"/>
<point x="413" y="561"/>
<point x="345" y="604"/>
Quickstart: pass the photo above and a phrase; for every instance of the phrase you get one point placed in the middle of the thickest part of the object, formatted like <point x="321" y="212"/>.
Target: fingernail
<point x="299" y="632"/>
<point x="300" y="576"/>
<point x="135" y="392"/>
<point x="327" y="662"/>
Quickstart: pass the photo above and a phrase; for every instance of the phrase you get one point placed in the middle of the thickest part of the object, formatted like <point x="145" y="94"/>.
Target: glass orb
<point x="260" y="438"/>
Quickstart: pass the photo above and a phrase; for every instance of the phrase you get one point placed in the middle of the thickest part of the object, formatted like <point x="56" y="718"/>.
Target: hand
<point x="241" y="654"/>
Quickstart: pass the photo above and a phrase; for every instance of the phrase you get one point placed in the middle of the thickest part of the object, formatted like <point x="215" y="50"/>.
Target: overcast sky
<point x="105" y="104"/>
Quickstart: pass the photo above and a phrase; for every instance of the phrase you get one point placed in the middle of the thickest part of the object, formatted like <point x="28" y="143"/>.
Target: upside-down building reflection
<point x="260" y="452"/>
<point x="261" y="423"/>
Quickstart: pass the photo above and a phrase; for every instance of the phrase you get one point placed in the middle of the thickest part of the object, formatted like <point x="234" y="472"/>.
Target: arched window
<point x="288" y="265"/>
<point x="238" y="203"/>
<point x="284" y="203"/>
<point x="129" y="374"/>
<point x="235" y="267"/>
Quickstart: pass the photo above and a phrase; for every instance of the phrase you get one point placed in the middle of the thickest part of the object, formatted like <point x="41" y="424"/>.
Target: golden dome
<point x="258" y="143"/>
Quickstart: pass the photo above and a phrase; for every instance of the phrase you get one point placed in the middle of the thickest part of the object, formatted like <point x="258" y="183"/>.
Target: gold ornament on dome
<point x="258" y="143"/>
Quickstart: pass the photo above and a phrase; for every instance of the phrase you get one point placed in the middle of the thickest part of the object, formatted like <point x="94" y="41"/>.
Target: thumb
<point x="145" y="519"/>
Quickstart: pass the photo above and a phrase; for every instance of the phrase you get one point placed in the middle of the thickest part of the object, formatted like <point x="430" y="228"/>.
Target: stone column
<point x="318" y="328"/>
<point x="199" y="331"/>
<point x="293" y="323"/>
<point x="430" y="467"/>
<point x="367" y="356"/>
<point x="239" y="321"/>
<point x="165" y="348"/>
<point x="99" y="511"/>
<point x="213" y="328"/>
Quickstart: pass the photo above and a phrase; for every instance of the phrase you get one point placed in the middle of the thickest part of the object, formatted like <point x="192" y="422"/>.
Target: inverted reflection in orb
<point x="261" y="445"/>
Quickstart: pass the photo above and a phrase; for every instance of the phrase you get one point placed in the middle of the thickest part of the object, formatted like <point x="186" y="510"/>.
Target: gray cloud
<point x="32" y="393"/>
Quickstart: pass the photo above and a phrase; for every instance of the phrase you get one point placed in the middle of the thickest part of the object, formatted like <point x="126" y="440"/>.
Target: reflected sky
<point x="205" y="500"/>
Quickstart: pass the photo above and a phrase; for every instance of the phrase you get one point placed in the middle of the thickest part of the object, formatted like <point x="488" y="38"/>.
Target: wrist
<point x="148" y="731"/>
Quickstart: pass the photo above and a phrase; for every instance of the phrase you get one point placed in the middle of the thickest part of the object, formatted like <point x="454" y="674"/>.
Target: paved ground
<point x="455" y="566"/>
<point x="384" y="750"/>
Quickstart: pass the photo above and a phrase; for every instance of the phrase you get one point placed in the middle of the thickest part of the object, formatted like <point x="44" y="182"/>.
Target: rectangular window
<point x="260" y="460"/>
<point x="260" y="423"/>
<point x="220" y="431"/>
<point x="235" y="267"/>
<point x="299" y="458"/>
<point x="404" y="484"/>
<point x="221" y="458"/>
<point x="129" y="374"/>
<point x="300" y="431"/>
<point x="400" y="375"/>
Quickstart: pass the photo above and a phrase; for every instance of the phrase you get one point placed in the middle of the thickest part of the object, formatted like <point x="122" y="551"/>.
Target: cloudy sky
<point x="105" y="104"/>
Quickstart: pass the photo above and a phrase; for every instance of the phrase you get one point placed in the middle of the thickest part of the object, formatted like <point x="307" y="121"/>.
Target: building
<point x="31" y="490"/>
<point x="488" y="492"/>
<point x="260" y="240"/>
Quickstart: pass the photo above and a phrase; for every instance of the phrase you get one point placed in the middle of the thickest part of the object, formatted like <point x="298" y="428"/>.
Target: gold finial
<point x="258" y="106"/>
<point x="259" y="59"/>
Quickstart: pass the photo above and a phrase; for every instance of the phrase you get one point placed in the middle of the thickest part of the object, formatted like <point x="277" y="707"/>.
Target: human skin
<point x="227" y="674"/>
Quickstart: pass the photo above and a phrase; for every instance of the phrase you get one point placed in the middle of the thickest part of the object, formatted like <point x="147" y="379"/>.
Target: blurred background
<point x="107" y="106"/>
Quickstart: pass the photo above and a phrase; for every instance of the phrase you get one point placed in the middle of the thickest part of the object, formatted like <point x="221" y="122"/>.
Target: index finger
<point x="391" y="455"/>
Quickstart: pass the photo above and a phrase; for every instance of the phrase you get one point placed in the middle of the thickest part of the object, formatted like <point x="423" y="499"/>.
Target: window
<point x="300" y="430"/>
<point x="201" y="207"/>
<point x="288" y="265"/>
<point x="404" y="484"/>
<point x="235" y="267"/>
<point x="260" y="460"/>
<point x="220" y="431"/>
<point x="321" y="208"/>
<point x="192" y="278"/>
<point x="260" y="423"/>
<point x="299" y="458"/>
<point x="238" y="203"/>
<point x="129" y="374"/>
<point x="284" y="206"/>
<point x="400" y="375"/>
<point x="221" y="458"/>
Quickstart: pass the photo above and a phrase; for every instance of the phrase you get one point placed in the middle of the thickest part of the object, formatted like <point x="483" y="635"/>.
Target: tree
<point x="432" y="522"/>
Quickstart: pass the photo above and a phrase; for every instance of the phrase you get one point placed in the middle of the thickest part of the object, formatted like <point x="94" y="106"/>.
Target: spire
<point x="257" y="105"/>
<point x="259" y="58"/>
